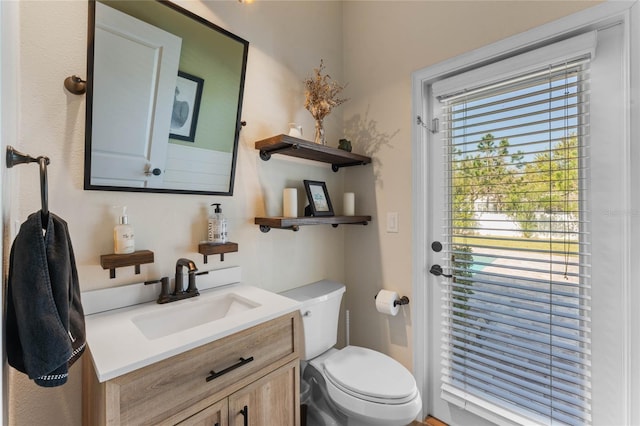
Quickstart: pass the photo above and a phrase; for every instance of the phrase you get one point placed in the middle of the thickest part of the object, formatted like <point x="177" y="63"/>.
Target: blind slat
<point x="499" y="348"/>
<point x="572" y="362"/>
<point x="522" y="386"/>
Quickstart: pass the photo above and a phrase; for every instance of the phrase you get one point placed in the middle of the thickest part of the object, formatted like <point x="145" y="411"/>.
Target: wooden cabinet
<point x="272" y="400"/>
<point x="257" y="367"/>
<point x="268" y="401"/>
<point x="215" y="415"/>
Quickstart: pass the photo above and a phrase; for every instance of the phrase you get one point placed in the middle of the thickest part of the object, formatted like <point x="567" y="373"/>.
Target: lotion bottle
<point x="217" y="225"/>
<point x="123" y="238"/>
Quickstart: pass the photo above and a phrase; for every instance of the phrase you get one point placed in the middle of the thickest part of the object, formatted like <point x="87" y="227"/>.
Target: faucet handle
<point x="164" y="290"/>
<point x="191" y="288"/>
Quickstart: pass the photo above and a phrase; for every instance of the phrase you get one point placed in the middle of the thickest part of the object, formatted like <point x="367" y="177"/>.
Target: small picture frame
<point x="186" y="107"/>
<point x="318" y="196"/>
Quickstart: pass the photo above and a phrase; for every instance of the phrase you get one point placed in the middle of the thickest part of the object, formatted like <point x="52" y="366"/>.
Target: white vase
<point x="295" y="130"/>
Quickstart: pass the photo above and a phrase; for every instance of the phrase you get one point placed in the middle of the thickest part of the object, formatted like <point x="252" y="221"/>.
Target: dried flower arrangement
<point x="321" y="96"/>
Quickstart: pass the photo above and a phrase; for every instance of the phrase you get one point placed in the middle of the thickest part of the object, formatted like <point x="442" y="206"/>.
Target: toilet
<point x="353" y="386"/>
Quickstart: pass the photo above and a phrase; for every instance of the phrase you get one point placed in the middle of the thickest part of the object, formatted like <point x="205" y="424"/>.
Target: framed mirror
<point x="164" y="99"/>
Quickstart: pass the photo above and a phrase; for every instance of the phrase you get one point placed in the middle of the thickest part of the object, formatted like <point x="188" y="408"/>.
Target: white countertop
<point x="118" y="346"/>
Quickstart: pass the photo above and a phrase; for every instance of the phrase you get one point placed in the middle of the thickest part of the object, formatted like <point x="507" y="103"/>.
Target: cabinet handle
<point x="245" y="414"/>
<point x="240" y="363"/>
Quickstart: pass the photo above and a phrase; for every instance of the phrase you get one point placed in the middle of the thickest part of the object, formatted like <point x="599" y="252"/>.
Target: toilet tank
<point x="320" y="310"/>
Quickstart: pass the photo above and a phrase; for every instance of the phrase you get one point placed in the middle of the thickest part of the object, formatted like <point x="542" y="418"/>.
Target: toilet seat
<point x="370" y="376"/>
<point x="372" y="413"/>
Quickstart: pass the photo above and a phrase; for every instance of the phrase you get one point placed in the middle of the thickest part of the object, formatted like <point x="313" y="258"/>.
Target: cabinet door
<point x="213" y="415"/>
<point x="271" y="400"/>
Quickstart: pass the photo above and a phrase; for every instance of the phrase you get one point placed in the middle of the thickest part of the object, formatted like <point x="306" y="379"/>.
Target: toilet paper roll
<point x="384" y="302"/>
<point x="290" y="202"/>
<point x="349" y="204"/>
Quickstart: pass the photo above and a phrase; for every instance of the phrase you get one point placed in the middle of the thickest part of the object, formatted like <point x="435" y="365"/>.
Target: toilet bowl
<point x="366" y="387"/>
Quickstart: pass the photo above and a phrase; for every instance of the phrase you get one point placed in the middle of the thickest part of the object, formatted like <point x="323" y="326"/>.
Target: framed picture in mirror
<point x="186" y="106"/>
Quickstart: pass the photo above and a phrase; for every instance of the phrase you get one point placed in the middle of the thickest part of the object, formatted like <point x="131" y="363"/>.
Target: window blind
<point x="517" y="325"/>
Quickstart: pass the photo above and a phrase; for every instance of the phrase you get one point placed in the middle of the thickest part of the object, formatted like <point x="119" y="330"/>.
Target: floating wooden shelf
<point x="208" y="249"/>
<point x="294" y="223"/>
<point x="137" y="258"/>
<point x="300" y="148"/>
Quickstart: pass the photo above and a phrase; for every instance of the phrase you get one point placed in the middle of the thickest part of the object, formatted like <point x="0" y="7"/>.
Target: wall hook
<point x="75" y="85"/>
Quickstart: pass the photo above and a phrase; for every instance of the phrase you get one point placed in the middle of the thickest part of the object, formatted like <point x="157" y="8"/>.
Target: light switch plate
<point x="392" y="222"/>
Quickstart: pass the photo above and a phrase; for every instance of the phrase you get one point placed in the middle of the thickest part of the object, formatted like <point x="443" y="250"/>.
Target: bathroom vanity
<point x="178" y="390"/>
<point x="241" y="368"/>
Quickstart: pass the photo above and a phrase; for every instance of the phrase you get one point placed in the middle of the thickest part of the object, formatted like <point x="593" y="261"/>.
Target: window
<point x="517" y="309"/>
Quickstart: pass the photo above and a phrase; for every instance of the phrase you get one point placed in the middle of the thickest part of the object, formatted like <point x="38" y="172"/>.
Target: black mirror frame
<point x="89" y="105"/>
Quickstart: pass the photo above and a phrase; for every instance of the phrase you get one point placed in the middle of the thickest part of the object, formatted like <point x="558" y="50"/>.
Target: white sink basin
<point x="191" y="313"/>
<point x="124" y="339"/>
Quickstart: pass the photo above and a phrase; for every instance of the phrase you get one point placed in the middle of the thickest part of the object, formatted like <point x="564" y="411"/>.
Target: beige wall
<point x="51" y="122"/>
<point x="374" y="46"/>
<point x="384" y="42"/>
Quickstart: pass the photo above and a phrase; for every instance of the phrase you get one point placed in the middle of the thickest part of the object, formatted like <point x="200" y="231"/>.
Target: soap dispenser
<point x="217" y="225"/>
<point x="123" y="238"/>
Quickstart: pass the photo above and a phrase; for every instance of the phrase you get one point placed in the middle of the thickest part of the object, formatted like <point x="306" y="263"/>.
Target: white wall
<point x="287" y="40"/>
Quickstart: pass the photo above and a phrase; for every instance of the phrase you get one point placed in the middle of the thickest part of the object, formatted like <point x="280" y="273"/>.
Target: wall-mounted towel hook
<point x="75" y="85"/>
<point x="14" y="158"/>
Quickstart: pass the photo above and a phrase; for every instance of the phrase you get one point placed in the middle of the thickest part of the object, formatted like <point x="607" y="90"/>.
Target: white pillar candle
<point x="349" y="204"/>
<point x="290" y="202"/>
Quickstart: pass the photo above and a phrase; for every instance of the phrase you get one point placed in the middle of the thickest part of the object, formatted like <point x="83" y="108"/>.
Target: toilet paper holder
<point x="404" y="300"/>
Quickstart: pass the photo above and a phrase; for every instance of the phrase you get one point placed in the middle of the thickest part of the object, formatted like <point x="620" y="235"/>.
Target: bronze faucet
<point x="178" y="292"/>
<point x="179" y="287"/>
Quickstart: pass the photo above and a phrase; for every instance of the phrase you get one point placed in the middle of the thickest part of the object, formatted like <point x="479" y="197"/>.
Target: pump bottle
<point x="217" y="225"/>
<point x="123" y="237"/>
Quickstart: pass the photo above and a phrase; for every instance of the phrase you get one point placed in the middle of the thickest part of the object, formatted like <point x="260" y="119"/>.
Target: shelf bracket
<point x="336" y="167"/>
<point x="206" y="258"/>
<point x="364" y="223"/>
<point x="112" y="271"/>
<point x="266" y="155"/>
<point x="267" y="228"/>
